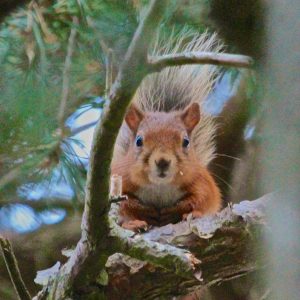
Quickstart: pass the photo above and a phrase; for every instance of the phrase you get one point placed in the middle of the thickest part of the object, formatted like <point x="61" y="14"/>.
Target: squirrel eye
<point x="139" y="141"/>
<point x="185" y="142"/>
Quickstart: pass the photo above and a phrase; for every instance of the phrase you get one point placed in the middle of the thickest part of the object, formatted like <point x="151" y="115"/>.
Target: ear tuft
<point x="191" y="116"/>
<point x="133" y="117"/>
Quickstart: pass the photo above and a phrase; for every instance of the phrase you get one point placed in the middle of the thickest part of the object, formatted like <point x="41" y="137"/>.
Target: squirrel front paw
<point x="135" y="225"/>
<point x="195" y="214"/>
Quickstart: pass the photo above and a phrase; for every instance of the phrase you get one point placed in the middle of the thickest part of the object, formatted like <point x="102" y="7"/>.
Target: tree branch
<point x="179" y="261"/>
<point x="132" y="71"/>
<point x="96" y="245"/>
<point x="187" y="58"/>
<point x="226" y="244"/>
<point x="13" y="269"/>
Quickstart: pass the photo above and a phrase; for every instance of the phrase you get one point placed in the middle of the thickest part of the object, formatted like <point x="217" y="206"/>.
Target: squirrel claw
<point x="135" y="225"/>
<point x="194" y="214"/>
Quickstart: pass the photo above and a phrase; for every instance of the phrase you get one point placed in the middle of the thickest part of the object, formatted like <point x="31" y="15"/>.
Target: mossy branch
<point x="225" y="244"/>
<point x="180" y="261"/>
<point x="157" y="263"/>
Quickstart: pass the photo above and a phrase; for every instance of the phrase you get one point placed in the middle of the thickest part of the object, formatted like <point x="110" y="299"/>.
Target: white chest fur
<point x="159" y="195"/>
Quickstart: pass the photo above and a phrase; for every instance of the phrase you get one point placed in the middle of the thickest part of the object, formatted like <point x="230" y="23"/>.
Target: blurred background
<point x="53" y="62"/>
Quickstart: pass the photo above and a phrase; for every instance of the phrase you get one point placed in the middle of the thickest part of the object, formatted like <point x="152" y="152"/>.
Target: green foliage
<point x="33" y="49"/>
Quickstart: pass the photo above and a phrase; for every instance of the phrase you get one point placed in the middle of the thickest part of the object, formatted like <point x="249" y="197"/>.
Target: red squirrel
<point x="165" y="144"/>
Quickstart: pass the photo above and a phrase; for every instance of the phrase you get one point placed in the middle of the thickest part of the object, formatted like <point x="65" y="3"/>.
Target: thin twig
<point x="266" y="295"/>
<point x="13" y="174"/>
<point x="178" y="59"/>
<point x="10" y="176"/>
<point x="13" y="269"/>
<point x="102" y="42"/>
<point x="109" y="57"/>
<point x="66" y="73"/>
<point x="83" y="128"/>
<point x="39" y="15"/>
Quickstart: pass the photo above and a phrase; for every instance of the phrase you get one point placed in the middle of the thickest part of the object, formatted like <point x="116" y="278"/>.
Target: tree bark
<point x="225" y="247"/>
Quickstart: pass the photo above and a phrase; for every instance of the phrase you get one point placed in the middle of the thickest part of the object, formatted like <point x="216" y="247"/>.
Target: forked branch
<point x="79" y="274"/>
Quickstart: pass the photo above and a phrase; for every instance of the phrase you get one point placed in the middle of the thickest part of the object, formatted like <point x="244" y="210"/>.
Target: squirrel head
<point x="161" y="144"/>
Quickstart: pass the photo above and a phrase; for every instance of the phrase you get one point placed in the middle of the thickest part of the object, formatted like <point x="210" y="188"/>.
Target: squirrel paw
<point x="195" y="214"/>
<point x="135" y="225"/>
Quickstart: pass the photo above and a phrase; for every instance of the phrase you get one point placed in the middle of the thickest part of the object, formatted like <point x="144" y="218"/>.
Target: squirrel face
<point x="161" y="143"/>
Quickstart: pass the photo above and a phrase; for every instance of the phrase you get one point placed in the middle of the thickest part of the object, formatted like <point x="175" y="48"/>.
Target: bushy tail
<point x="174" y="88"/>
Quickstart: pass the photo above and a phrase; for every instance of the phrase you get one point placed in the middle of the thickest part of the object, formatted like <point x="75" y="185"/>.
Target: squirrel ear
<point x="133" y="117"/>
<point x="191" y="116"/>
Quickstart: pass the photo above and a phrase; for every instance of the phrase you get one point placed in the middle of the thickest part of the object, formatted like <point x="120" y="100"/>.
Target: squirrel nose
<point x="163" y="164"/>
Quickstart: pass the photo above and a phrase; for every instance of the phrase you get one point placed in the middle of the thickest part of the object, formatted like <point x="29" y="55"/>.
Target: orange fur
<point x="186" y="177"/>
<point x="163" y="180"/>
